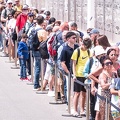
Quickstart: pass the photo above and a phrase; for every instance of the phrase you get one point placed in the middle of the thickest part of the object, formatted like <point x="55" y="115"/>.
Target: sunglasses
<point x="9" y="3"/>
<point x="108" y="63"/>
<point x="73" y="37"/>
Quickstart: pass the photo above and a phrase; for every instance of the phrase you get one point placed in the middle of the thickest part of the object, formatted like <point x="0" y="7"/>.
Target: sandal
<point x="83" y="114"/>
<point x="75" y="114"/>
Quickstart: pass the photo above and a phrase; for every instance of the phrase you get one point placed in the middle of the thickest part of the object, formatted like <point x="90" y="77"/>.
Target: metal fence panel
<point x="79" y="13"/>
<point x="107" y="14"/>
<point x="84" y="15"/>
<point x="116" y="21"/>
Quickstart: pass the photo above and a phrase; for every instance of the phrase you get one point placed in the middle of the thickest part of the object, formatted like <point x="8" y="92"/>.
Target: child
<point x="23" y="56"/>
<point x="115" y="99"/>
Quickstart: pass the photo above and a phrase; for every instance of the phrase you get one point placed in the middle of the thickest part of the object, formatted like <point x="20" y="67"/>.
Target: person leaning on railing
<point x="105" y="81"/>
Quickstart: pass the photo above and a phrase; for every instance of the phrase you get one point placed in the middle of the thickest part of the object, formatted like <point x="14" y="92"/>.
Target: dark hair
<point x="118" y="72"/>
<point x="40" y="19"/>
<point x="73" y="24"/>
<point x="103" y="41"/>
<point x="36" y="10"/>
<point x="47" y="13"/>
<point x="88" y="30"/>
<point x="57" y="22"/>
<point x="24" y="35"/>
<point x="87" y="42"/>
<point x="52" y="20"/>
<point x="69" y="34"/>
<point x="110" y="50"/>
<point x="103" y="58"/>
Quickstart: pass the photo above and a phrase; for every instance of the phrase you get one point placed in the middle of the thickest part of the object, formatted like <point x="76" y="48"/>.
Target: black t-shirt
<point x="66" y="55"/>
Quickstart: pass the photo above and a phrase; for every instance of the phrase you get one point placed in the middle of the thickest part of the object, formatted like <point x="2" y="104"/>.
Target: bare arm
<point x="113" y="91"/>
<point x="17" y="30"/>
<point x="103" y="81"/>
<point x="94" y="74"/>
<point x="64" y="67"/>
<point x="74" y="66"/>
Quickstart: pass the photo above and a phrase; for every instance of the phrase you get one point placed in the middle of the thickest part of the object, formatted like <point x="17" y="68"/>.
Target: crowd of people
<point x="90" y="57"/>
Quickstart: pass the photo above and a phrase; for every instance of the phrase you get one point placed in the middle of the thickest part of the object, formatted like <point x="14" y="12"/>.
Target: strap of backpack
<point x="78" y="55"/>
<point x="90" y="64"/>
<point x="88" y="51"/>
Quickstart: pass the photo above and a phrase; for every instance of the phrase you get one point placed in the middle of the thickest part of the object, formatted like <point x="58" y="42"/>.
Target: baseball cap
<point x="94" y="31"/>
<point x="99" y="50"/>
<point x="30" y="14"/>
<point x="9" y="1"/>
<point x="25" y="7"/>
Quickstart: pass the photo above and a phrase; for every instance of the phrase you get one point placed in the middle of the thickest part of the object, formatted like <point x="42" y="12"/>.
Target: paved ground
<point x="18" y="101"/>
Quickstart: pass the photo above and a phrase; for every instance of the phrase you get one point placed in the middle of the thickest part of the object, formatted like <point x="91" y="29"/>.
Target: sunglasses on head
<point x="108" y="63"/>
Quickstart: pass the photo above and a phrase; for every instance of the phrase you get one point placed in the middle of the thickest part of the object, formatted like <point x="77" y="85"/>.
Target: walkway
<point x="18" y="101"/>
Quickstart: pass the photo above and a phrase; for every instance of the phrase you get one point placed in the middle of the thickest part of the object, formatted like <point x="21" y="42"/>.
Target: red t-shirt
<point x="21" y="20"/>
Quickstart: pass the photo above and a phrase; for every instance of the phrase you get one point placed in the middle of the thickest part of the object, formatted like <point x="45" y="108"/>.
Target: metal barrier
<point x="15" y="67"/>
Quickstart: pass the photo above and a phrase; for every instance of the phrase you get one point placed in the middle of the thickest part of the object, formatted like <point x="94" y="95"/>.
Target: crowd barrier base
<point x="10" y="61"/>
<point x="42" y="92"/>
<point x="68" y="115"/>
<point x="15" y="67"/>
<point x="56" y="102"/>
<point x="30" y="83"/>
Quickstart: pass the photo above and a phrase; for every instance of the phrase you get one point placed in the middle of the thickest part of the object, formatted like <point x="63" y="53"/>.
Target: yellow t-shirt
<point x="81" y="61"/>
<point x="19" y="9"/>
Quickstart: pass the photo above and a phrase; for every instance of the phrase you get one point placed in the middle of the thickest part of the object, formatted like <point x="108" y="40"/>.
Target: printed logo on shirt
<point x="84" y="57"/>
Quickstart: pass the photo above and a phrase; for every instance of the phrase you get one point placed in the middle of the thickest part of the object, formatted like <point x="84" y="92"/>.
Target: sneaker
<point x="22" y="79"/>
<point x="27" y="79"/>
<point x="37" y="89"/>
<point x="51" y="93"/>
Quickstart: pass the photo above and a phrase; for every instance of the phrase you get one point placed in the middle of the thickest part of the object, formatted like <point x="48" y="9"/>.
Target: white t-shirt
<point x="114" y="98"/>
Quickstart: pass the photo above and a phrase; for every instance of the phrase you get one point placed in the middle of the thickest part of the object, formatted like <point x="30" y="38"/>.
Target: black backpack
<point x="44" y="50"/>
<point x="33" y="39"/>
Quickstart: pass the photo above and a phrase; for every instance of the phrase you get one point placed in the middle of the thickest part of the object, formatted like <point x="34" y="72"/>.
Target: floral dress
<point x="105" y="93"/>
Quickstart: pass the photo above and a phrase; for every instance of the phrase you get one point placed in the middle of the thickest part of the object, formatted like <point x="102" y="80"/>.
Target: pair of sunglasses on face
<point x="114" y="55"/>
<point x="108" y="63"/>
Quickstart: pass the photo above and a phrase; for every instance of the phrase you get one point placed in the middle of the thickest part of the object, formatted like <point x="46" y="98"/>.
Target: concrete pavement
<point x="18" y="101"/>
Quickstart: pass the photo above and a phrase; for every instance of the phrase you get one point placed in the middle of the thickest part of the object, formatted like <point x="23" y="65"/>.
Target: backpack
<point x="44" y="50"/>
<point x="52" y="45"/>
<point x="33" y="39"/>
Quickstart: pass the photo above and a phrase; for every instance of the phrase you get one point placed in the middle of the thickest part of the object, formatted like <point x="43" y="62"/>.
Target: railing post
<point x="69" y="93"/>
<point x="42" y="73"/>
<point x="31" y="59"/>
<point x="87" y="82"/>
<point x="107" y="110"/>
<point x="15" y="67"/>
<point x="56" y="95"/>
<point x="87" y="102"/>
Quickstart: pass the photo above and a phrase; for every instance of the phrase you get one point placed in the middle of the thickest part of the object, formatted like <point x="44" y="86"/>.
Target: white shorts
<point x="47" y="72"/>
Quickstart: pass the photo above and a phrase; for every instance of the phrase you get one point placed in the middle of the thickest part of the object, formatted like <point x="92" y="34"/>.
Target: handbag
<point x="14" y="35"/>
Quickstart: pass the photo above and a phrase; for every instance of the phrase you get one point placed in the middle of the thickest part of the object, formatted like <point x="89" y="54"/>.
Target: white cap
<point x="99" y="50"/>
<point x="9" y="1"/>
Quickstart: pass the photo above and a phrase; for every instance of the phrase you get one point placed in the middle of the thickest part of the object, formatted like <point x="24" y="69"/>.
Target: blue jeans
<point x="1" y="41"/>
<point x="22" y="68"/>
<point x="37" y="58"/>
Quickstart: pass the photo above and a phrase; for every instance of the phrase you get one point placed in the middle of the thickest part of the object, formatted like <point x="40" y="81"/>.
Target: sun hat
<point x="99" y="50"/>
